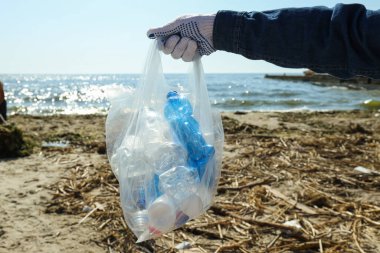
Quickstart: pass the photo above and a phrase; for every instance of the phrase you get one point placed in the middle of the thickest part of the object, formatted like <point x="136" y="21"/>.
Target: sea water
<point x="86" y="94"/>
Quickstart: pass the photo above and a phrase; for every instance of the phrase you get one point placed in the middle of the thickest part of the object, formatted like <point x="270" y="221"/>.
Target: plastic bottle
<point x="152" y="128"/>
<point x="161" y="218"/>
<point x="162" y="214"/>
<point x="189" y="207"/>
<point x="122" y="156"/>
<point x="137" y="186"/>
<point x="140" y="192"/>
<point x="168" y="155"/>
<point x="179" y="182"/>
<point x="178" y="112"/>
<point x="138" y="221"/>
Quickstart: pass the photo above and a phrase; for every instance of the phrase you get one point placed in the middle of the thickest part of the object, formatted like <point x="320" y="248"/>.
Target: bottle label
<point x="154" y="231"/>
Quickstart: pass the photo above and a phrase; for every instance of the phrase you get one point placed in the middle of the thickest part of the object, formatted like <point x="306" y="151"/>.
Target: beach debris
<point x="87" y="209"/>
<point x="55" y="144"/>
<point x="65" y="138"/>
<point x="58" y="140"/>
<point x="98" y="206"/>
<point x="293" y="223"/>
<point x="183" y="245"/>
<point x="364" y="170"/>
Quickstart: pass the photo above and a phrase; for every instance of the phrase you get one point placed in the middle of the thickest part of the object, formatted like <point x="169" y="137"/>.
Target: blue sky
<point x="108" y="36"/>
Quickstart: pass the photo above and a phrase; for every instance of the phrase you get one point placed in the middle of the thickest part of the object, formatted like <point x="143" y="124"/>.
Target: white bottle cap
<point x="162" y="214"/>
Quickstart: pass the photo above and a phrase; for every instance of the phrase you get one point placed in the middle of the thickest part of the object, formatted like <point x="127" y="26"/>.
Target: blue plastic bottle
<point x="179" y="113"/>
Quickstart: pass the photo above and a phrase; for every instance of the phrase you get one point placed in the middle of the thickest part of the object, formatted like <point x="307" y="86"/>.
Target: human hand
<point x="186" y="36"/>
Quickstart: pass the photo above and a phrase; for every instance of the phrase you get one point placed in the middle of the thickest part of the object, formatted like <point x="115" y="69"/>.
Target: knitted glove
<point x="186" y="36"/>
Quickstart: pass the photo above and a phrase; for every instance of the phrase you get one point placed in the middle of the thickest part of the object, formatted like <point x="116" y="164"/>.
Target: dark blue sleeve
<point x="343" y="41"/>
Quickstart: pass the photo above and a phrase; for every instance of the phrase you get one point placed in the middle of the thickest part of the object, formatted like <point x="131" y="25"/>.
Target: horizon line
<point x="131" y="73"/>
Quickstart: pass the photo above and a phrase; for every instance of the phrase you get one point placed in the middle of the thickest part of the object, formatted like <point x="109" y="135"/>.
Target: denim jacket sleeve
<point x="343" y="41"/>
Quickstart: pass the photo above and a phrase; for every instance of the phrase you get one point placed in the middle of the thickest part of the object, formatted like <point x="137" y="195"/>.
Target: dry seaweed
<point x="13" y="142"/>
<point x="280" y="191"/>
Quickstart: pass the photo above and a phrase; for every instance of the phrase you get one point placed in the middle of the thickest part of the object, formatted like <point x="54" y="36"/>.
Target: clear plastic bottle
<point x="140" y="194"/>
<point x="179" y="182"/>
<point x="138" y="220"/>
<point x="189" y="207"/>
<point x="162" y="214"/>
<point x="168" y="155"/>
<point x="137" y="187"/>
<point x="122" y="156"/>
<point x="152" y="127"/>
<point x="192" y="205"/>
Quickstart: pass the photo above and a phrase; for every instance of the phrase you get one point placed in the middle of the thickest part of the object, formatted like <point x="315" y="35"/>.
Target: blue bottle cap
<point x="171" y="94"/>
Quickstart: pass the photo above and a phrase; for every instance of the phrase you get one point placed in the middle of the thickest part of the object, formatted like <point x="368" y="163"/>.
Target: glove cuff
<point x="207" y="27"/>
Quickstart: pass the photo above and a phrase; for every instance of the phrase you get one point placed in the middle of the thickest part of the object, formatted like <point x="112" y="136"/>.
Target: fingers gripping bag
<point x="164" y="144"/>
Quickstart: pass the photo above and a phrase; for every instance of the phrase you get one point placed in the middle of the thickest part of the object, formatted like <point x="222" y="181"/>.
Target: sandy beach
<point x="288" y="184"/>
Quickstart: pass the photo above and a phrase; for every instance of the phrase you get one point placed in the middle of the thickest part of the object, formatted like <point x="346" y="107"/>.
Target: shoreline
<point x="300" y="110"/>
<point x="308" y="157"/>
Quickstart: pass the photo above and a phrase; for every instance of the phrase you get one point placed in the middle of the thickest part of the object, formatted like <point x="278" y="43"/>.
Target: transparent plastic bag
<point x="164" y="144"/>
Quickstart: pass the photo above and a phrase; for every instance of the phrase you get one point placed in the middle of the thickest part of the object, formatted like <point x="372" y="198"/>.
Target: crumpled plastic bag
<point x="165" y="145"/>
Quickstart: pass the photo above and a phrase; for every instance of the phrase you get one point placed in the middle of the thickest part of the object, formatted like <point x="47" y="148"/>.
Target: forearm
<point x="343" y="41"/>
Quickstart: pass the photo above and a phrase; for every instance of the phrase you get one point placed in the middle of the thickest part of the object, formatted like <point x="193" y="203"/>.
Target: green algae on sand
<point x="13" y="143"/>
<point x="371" y="104"/>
